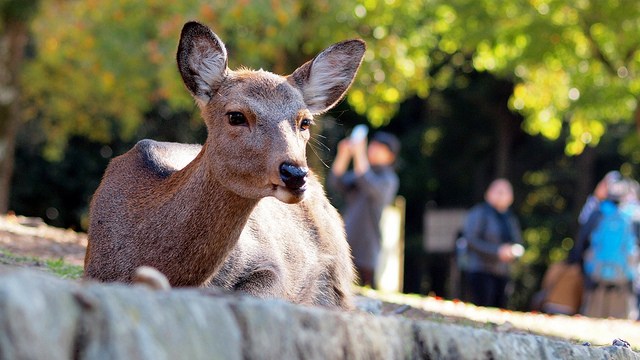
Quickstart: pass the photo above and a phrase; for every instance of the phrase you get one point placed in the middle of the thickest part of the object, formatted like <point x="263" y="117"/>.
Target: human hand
<point x="343" y="157"/>
<point x="359" y="147"/>
<point x="600" y="192"/>
<point x="505" y="253"/>
<point x="344" y="147"/>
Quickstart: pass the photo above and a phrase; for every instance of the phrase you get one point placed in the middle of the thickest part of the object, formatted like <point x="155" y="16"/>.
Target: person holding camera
<point x="367" y="189"/>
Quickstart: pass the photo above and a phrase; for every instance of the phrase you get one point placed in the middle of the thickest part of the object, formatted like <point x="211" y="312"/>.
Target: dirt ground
<point x="29" y="242"/>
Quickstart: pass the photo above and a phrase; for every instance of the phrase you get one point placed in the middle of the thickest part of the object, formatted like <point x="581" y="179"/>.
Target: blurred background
<point x="542" y="92"/>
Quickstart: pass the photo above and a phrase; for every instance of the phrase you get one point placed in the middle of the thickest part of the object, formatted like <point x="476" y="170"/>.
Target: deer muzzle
<point x="294" y="177"/>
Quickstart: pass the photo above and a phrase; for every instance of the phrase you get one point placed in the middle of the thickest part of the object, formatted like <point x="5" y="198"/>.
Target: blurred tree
<point x="571" y="61"/>
<point x="104" y="73"/>
<point x="14" y="18"/>
<point x="102" y="64"/>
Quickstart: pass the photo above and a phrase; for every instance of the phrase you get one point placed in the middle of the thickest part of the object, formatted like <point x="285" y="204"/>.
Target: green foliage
<point x="572" y="61"/>
<point x="17" y="10"/>
<point x="102" y="64"/>
<point x="95" y="73"/>
<point x="98" y="72"/>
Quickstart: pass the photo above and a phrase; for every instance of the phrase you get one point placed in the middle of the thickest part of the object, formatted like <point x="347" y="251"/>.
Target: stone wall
<point x="43" y="317"/>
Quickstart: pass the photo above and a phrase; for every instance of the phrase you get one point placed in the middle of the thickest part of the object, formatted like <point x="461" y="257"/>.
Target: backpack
<point x="613" y="248"/>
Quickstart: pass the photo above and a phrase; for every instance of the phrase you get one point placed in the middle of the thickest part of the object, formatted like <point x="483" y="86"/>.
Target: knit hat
<point x="617" y="190"/>
<point x="389" y="140"/>
<point x="612" y="177"/>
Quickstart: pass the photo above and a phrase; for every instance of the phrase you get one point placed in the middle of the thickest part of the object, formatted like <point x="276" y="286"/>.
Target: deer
<point x="242" y="211"/>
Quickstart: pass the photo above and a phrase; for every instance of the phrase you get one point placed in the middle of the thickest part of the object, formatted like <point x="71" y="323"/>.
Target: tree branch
<point x="596" y="48"/>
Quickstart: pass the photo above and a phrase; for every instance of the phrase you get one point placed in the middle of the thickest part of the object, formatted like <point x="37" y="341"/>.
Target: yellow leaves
<point x="370" y="5"/>
<point x="522" y="40"/>
<point x="391" y="95"/>
<point x="483" y="59"/>
<point x="445" y="17"/>
<point x="449" y="46"/>
<point x="407" y="67"/>
<point x="108" y="81"/>
<point x="357" y="100"/>
<point x="380" y="112"/>
<point x="548" y="123"/>
<point x="378" y="115"/>
<point x="565" y="15"/>
<point x="583" y="131"/>
<point x="50" y="45"/>
<point x="598" y="30"/>
<point x="542" y="6"/>
<point x="282" y="16"/>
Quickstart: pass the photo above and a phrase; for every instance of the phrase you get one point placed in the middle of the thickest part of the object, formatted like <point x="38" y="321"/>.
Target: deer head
<point x="258" y="122"/>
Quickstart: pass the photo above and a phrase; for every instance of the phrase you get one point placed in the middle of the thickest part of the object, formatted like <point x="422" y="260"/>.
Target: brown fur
<point x="221" y="213"/>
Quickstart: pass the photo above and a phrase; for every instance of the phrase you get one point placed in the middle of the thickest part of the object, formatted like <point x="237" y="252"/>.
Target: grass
<point x="64" y="270"/>
<point x="55" y="266"/>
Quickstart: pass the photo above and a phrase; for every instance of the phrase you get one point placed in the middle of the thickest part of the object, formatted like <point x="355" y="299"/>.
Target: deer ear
<point x="202" y="61"/>
<point x="325" y="79"/>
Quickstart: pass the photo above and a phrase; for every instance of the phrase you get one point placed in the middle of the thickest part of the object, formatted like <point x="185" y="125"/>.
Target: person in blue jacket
<point x="493" y="242"/>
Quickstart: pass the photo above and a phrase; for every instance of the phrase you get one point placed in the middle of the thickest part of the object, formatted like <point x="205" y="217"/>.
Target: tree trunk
<point x="12" y="47"/>
<point x="504" y="145"/>
<point x="585" y="182"/>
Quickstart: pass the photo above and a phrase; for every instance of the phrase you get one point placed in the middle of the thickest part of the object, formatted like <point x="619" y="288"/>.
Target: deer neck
<point x="206" y="217"/>
<point x="211" y="205"/>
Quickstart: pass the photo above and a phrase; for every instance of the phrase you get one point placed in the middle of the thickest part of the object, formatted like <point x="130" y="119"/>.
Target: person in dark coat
<point x="493" y="240"/>
<point x="367" y="190"/>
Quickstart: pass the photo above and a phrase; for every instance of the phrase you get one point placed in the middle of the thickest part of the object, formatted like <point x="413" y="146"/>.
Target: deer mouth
<point x="289" y="195"/>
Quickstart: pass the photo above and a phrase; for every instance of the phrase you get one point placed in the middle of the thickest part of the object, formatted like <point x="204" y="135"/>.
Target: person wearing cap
<point x="599" y="194"/>
<point x="609" y="192"/>
<point x="606" y="249"/>
<point x="493" y="241"/>
<point x="367" y="189"/>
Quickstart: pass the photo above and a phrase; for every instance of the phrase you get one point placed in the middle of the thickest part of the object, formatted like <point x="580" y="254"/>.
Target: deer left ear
<point x="325" y="80"/>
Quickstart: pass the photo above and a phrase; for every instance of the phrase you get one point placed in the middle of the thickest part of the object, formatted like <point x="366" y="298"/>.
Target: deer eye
<point x="237" y="119"/>
<point x="305" y="124"/>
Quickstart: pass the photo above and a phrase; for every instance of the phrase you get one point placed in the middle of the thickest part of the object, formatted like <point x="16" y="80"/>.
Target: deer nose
<point x="294" y="177"/>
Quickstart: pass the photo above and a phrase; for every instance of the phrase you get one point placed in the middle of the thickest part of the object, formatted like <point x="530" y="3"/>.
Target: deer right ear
<point x="202" y="61"/>
<point x="325" y="80"/>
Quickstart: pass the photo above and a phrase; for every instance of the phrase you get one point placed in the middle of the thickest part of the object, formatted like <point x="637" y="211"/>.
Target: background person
<point x="563" y="285"/>
<point x="493" y="240"/>
<point x="599" y="194"/>
<point x="607" y="249"/>
<point x="367" y="189"/>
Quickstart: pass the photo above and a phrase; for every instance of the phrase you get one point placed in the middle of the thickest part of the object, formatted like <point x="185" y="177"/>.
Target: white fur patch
<point x="210" y="66"/>
<point x="325" y="75"/>
<point x="177" y="160"/>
